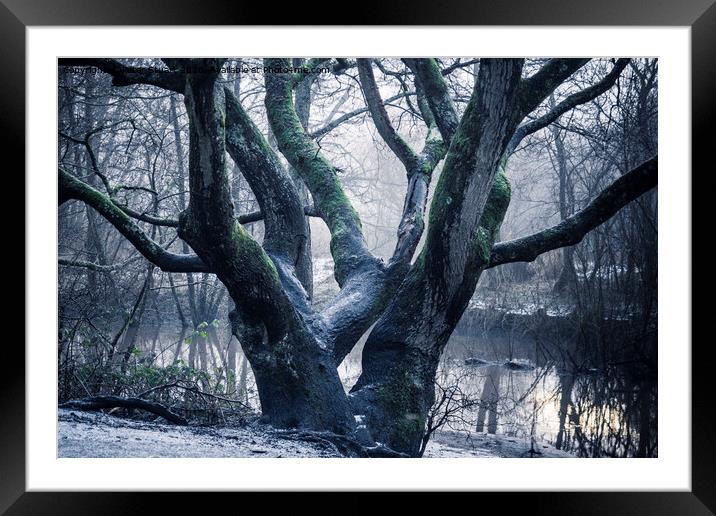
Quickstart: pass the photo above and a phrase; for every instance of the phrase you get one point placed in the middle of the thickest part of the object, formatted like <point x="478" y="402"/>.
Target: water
<point x="513" y="389"/>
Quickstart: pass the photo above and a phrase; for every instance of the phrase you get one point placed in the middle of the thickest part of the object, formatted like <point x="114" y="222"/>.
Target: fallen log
<point x="104" y="402"/>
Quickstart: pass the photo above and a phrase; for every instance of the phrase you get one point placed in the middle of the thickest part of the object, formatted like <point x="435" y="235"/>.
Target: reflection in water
<point x="605" y="413"/>
<point x="521" y="393"/>
<point x="489" y="400"/>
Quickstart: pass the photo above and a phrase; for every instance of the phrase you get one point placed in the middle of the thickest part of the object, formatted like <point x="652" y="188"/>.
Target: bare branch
<point x="72" y="188"/>
<point x="157" y="221"/>
<point x="150" y="219"/>
<point x="246" y="218"/>
<point x="380" y="116"/>
<point x="537" y="87"/>
<point x="95" y="266"/>
<point x="581" y="97"/>
<point x="330" y="126"/>
<point x="457" y="65"/>
<point x="255" y="216"/>
<point x="571" y="231"/>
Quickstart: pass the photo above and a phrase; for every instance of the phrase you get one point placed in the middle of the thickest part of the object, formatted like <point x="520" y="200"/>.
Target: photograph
<point x="357" y="257"/>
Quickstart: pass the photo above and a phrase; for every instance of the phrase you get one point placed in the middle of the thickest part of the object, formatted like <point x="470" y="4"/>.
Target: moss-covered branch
<point x="72" y="188"/>
<point x="431" y="80"/>
<point x="209" y="223"/>
<point x="572" y="230"/>
<point x="282" y="209"/>
<point x="470" y="167"/>
<point x="350" y="253"/>
<point x="447" y="265"/>
<point x="365" y="295"/>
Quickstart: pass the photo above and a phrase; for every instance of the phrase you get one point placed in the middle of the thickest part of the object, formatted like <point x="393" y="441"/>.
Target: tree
<point x="415" y="299"/>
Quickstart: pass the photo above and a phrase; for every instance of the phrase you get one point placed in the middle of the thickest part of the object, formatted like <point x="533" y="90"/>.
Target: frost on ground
<point x="94" y="434"/>
<point x="458" y="444"/>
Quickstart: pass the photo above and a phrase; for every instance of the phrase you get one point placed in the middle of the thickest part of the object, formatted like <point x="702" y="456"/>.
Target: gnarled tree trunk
<point x="297" y="382"/>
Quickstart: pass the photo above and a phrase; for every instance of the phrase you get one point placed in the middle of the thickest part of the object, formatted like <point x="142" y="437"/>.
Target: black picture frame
<point x="17" y="15"/>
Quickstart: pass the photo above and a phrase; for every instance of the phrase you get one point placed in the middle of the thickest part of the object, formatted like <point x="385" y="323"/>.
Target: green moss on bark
<point x="492" y="216"/>
<point x="399" y="398"/>
<point x="497" y="203"/>
<point x="320" y="176"/>
<point x="251" y="252"/>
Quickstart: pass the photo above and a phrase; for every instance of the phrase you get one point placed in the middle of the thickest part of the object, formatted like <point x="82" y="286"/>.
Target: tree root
<point x="341" y="444"/>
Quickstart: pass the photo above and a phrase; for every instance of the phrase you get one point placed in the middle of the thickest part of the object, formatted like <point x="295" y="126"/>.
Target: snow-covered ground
<point x="457" y="444"/>
<point x="94" y="434"/>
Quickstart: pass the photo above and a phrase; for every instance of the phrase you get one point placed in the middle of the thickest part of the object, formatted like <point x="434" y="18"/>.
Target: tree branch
<point x="256" y="216"/>
<point x="150" y="219"/>
<point x="431" y="80"/>
<point x="581" y="97"/>
<point x="459" y="64"/>
<point x="362" y="298"/>
<point x="418" y="167"/>
<point x="263" y="313"/>
<point x="456" y="203"/>
<point x="280" y="202"/>
<point x="536" y="88"/>
<point x="330" y="126"/>
<point x="571" y="231"/>
<point x="380" y="116"/>
<point x="72" y="188"/>
<point x="123" y="75"/>
<point x="157" y="221"/>
<point x="348" y="247"/>
<point x="467" y="182"/>
<point x="104" y="402"/>
<point x="95" y="266"/>
<point x="246" y="218"/>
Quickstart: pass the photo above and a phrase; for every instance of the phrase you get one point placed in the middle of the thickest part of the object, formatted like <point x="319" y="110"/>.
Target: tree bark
<point x="297" y="381"/>
<point x="567" y="279"/>
<point x="396" y="388"/>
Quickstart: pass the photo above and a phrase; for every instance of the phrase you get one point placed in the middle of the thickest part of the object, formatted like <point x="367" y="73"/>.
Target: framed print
<point x="431" y="263"/>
